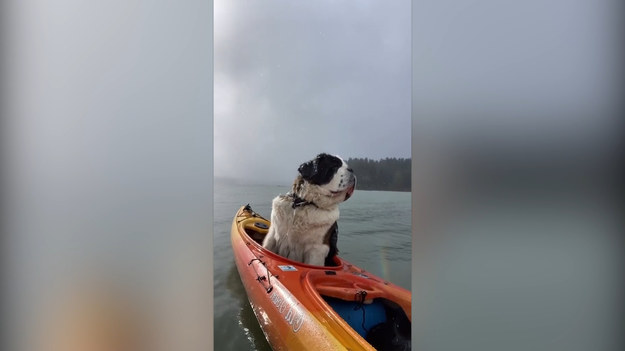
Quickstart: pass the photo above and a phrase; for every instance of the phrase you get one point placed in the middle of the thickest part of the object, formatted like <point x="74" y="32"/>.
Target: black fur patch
<point x="330" y="239"/>
<point x="321" y="169"/>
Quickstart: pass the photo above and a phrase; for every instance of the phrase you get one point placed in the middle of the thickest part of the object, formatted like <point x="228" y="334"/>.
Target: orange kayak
<point x="305" y="307"/>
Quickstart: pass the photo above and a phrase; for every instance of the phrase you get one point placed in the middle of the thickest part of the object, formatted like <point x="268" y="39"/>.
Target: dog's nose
<point x="350" y="170"/>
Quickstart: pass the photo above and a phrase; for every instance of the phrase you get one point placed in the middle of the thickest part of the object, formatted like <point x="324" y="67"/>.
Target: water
<point x="374" y="233"/>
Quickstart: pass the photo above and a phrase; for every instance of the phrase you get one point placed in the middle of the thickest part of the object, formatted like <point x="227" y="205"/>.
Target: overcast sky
<point x="296" y="78"/>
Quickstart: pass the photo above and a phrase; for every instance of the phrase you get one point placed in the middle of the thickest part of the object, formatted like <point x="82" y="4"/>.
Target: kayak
<point x="306" y="307"/>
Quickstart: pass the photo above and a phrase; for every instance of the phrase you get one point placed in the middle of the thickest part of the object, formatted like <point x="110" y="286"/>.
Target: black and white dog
<point x="303" y="222"/>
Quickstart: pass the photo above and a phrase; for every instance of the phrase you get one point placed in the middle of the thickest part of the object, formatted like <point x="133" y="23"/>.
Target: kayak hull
<point x="296" y="304"/>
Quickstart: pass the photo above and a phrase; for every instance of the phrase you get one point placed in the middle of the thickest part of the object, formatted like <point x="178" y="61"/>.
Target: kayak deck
<point x="359" y="310"/>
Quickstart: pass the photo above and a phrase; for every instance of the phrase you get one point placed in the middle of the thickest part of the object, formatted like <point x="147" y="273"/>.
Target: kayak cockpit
<point x="256" y="228"/>
<point x="367" y="305"/>
<point x="382" y="323"/>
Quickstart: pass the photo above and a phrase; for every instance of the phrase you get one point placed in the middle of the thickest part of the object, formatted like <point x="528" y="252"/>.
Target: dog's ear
<point x="308" y="169"/>
<point x="316" y="170"/>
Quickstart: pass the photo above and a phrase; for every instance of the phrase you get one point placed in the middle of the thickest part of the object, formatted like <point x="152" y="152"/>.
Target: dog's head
<point x="328" y="178"/>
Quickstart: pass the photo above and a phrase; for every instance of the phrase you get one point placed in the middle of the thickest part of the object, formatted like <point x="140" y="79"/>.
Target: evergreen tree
<point x="390" y="174"/>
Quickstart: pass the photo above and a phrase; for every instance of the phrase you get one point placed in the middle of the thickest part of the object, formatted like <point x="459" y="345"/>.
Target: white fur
<point x="298" y="233"/>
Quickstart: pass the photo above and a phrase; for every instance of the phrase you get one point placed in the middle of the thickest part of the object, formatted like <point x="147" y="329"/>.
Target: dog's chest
<point x="307" y="222"/>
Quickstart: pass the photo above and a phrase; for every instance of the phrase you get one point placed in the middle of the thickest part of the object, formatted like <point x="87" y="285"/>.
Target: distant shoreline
<point x="243" y="182"/>
<point x="387" y="174"/>
<point x="395" y="191"/>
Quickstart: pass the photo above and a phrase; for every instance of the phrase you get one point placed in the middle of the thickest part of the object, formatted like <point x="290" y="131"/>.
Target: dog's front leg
<point x="316" y="255"/>
<point x="270" y="242"/>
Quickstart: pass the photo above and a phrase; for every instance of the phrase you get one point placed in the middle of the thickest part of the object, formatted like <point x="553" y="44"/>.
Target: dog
<point x="304" y="221"/>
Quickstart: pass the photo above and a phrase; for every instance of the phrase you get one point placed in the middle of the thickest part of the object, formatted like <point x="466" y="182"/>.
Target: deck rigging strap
<point x="259" y="277"/>
<point x="360" y="297"/>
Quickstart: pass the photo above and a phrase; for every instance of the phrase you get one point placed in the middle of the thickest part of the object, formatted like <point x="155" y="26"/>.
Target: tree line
<point x="388" y="174"/>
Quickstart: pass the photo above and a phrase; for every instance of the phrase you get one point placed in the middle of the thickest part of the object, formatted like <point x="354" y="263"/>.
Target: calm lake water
<point x="374" y="233"/>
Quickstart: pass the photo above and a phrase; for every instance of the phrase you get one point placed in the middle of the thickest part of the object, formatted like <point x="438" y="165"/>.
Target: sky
<point x="296" y="78"/>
